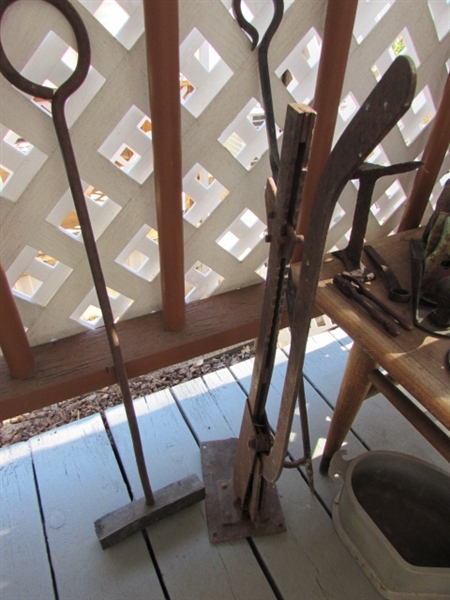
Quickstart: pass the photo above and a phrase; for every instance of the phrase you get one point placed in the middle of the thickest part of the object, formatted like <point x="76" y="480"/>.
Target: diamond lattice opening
<point x="141" y="254"/>
<point x="402" y="44"/>
<point x="202" y="194"/>
<point x="243" y="139"/>
<point x="36" y="276"/>
<point x="262" y="270"/>
<point x="204" y="72"/>
<point x="418" y="116"/>
<point x="242" y="236"/>
<point x="200" y="282"/>
<point x="387" y="204"/>
<point x="124" y="19"/>
<point x="5" y="175"/>
<point x="298" y="71"/>
<point x="368" y="15"/>
<point x="186" y="88"/>
<point x="88" y="312"/>
<point x="27" y="286"/>
<point x="21" y="161"/>
<point x="101" y="209"/>
<point x="17" y="142"/>
<point x="129" y="145"/>
<point x="347" y="109"/>
<point x="440" y="14"/>
<point x="52" y="64"/>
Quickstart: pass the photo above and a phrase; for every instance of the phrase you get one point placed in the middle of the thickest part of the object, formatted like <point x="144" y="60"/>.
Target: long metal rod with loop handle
<point x="58" y="99"/>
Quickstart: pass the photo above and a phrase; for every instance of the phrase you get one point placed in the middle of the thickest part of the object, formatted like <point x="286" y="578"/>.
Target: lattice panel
<point x="225" y="162"/>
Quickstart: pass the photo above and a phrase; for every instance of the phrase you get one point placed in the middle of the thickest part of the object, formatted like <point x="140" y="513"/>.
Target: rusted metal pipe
<point x="433" y="155"/>
<point x="330" y="78"/>
<point x="13" y="340"/>
<point x="163" y="64"/>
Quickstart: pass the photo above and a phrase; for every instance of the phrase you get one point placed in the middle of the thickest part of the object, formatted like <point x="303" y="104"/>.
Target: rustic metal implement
<point x="264" y="76"/>
<point x="248" y="507"/>
<point x="190" y="490"/>
<point x="368" y="174"/>
<point x="389" y="100"/>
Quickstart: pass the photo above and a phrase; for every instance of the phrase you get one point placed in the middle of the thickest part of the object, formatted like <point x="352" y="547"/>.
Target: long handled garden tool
<point x="154" y="506"/>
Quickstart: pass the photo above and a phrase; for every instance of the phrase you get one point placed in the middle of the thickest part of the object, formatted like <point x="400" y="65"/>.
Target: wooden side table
<point x="413" y="359"/>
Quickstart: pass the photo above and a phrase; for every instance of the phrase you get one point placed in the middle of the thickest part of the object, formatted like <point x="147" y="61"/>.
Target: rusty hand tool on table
<point x="347" y="287"/>
<point x="124" y="521"/>
<point x="368" y="174"/>
<point x="362" y="289"/>
<point x="396" y="292"/>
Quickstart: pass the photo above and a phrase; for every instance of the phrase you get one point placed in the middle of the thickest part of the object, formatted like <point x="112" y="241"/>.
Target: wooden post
<point x="333" y="62"/>
<point x="13" y="340"/>
<point x="161" y="29"/>
<point x="433" y="155"/>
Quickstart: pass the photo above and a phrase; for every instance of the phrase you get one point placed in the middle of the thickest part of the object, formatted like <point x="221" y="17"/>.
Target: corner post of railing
<point x="433" y="156"/>
<point x="162" y="39"/>
<point x="337" y="38"/>
<point x="13" y="339"/>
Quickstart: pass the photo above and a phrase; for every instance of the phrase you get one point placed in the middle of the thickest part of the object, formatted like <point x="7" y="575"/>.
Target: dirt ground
<point x="21" y="428"/>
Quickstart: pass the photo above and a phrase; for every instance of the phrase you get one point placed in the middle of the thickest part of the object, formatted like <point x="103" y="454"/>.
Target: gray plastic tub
<point x="393" y="515"/>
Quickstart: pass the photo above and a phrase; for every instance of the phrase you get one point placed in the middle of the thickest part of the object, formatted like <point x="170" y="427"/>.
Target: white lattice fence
<point x="225" y="163"/>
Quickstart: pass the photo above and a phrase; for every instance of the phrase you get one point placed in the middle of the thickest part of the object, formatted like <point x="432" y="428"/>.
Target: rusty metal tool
<point x="396" y="292"/>
<point x="239" y="502"/>
<point x="242" y="502"/>
<point x="263" y="67"/>
<point x="125" y="521"/>
<point x="347" y="288"/>
<point x="368" y="174"/>
<point x="362" y="289"/>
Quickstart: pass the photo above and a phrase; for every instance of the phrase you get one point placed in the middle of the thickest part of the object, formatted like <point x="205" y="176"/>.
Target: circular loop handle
<point x="81" y="70"/>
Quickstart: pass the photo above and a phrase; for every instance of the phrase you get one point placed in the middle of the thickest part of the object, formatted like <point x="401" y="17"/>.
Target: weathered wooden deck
<point x="56" y="485"/>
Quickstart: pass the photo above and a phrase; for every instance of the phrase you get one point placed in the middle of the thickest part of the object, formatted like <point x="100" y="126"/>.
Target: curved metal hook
<point x="81" y="69"/>
<point x="266" y="90"/>
<point x="244" y="24"/>
<point x="264" y="76"/>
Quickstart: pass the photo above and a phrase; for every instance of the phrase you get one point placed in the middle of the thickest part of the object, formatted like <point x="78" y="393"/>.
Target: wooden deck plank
<point x="301" y="564"/>
<point x="82" y="363"/>
<point x="79" y="481"/>
<point x="24" y="565"/>
<point x="192" y="568"/>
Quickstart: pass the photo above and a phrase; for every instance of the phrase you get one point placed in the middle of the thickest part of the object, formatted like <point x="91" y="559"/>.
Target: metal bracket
<point x="226" y="521"/>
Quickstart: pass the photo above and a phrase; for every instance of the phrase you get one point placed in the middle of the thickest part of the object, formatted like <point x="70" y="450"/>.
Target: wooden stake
<point x="161" y="28"/>
<point x="13" y="340"/>
<point x="433" y="155"/>
<point x="333" y="62"/>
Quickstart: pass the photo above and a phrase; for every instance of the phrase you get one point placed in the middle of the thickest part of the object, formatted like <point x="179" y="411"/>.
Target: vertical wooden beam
<point x="13" y="340"/>
<point x="337" y="37"/>
<point x="433" y="156"/>
<point x="161" y="29"/>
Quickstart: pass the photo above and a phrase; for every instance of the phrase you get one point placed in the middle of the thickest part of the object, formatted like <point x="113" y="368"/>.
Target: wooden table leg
<point x="354" y="388"/>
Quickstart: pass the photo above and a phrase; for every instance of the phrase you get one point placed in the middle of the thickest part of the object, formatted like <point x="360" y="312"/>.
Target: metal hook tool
<point x="264" y="76"/>
<point x="274" y="159"/>
<point x="122" y="522"/>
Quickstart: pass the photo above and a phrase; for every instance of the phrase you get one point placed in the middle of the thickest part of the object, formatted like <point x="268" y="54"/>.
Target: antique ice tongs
<point x="121" y="523"/>
<point x="239" y="475"/>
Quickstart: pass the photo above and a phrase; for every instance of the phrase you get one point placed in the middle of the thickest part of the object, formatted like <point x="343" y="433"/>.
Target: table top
<point x="416" y="359"/>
